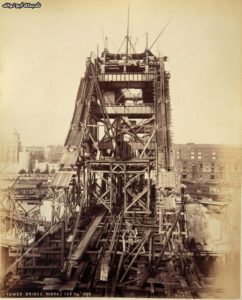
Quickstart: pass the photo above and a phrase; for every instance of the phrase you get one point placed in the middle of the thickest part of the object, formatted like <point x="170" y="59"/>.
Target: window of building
<point x="178" y="154"/>
<point x="199" y="157"/>
<point x="212" y="176"/>
<point x="192" y="156"/>
<point x="213" y="155"/>
<point x="184" y="176"/>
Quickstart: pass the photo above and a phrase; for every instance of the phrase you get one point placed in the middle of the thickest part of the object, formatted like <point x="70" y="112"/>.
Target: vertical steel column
<point x="62" y="244"/>
<point x="111" y="186"/>
<point x="86" y="174"/>
<point x="124" y="187"/>
<point x="149" y="186"/>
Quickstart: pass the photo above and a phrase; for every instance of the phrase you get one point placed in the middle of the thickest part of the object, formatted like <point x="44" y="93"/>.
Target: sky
<point x="44" y="50"/>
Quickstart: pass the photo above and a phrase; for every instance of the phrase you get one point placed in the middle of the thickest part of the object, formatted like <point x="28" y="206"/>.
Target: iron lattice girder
<point x="134" y="177"/>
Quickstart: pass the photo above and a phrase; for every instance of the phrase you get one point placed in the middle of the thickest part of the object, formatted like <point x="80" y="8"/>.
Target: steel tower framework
<point x="119" y="233"/>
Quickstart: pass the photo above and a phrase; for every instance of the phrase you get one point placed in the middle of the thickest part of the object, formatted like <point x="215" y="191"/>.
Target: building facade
<point x="9" y="150"/>
<point x="208" y="163"/>
<point x="24" y="160"/>
<point x="53" y="153"/>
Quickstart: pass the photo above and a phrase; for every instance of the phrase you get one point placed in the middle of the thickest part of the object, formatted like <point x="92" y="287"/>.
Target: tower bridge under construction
<point x="118" y="224"/>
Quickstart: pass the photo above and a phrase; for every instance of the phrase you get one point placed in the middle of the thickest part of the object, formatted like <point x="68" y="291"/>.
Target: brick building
<point x="208" y="163"/>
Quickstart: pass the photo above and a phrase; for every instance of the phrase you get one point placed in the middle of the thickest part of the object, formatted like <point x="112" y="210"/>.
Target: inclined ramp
<point x="83" y="244"/>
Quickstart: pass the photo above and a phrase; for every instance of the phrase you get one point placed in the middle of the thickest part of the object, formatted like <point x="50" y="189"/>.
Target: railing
<point x="126" y="77"/>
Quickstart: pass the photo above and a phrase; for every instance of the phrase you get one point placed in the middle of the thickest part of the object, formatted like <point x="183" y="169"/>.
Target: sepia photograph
<point x="120" y="149"/>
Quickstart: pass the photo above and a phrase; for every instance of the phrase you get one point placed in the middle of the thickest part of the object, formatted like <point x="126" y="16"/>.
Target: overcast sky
<point x="43" y="53"/>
